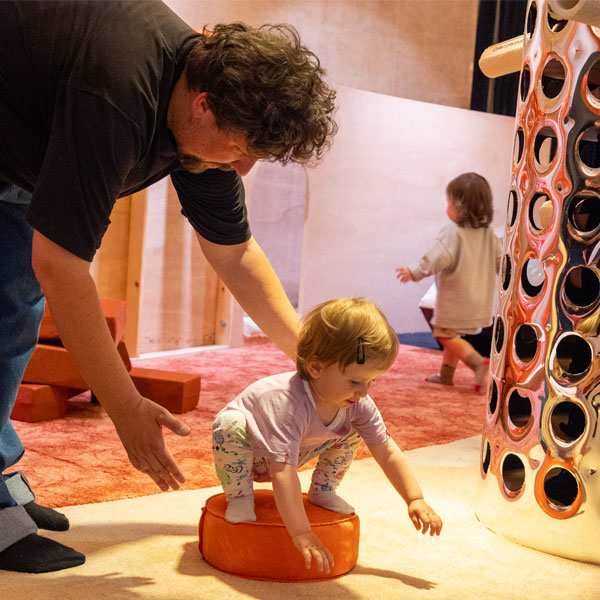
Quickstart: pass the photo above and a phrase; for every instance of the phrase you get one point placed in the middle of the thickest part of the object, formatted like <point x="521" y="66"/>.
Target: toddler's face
<point x="342" y="388"/>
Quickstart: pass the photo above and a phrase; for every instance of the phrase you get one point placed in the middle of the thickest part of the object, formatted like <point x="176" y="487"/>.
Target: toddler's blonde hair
<point x="346" y="331"/>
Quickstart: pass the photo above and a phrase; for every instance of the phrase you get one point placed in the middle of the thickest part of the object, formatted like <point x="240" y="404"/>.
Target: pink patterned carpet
<point x="79" y="459"/>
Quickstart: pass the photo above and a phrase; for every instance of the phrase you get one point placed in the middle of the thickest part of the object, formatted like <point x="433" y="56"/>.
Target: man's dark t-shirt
<point x="84" y="93"/>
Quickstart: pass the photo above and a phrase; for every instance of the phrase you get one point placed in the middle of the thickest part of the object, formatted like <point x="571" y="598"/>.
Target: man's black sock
<point x="46" y="518"/>
<point x="37" y="554"/>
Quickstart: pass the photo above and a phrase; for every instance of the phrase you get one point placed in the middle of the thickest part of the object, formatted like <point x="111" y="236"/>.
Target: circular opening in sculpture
<point x="531" y="20"/>
<point x="593" y="84"/>
<point x="493" y="402"/>
<point x="553" y="78"/>
<point x="587" y="151"/>
<point x="556" y="25"/>
<point x="567" y="421"/>
<point x="541" y="212"/>
<point x="573" y="356"/>
<point x="513" y="474"/>
<point x="561" y="488"/>
<point x="506" y="271"/>
<point x="518" y="146"/>
<point x="525" y="82"/>
<point x="486" y="457"/>
<point x="498" y="334"/>
<point x="532" y="277"/>
<point x="584" y="215"/>
<point x="544" y="148"/>
<point x="519" y="412"/>
<point x="581" y="290"/>
<point x="511" y="213"/>
<point x="526" y="343"/>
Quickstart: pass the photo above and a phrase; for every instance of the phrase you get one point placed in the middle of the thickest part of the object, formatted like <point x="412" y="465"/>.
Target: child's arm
<point x="404" y="274"/>
<point x="288" y="498"/>
<point x="393" y="463"/>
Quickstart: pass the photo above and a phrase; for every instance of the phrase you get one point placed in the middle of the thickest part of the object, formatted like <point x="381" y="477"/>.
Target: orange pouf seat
<point x="264" y="549"/>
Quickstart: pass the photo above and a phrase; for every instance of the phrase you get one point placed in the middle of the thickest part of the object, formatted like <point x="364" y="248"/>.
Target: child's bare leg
<point x="448" y="367"/>
<point x="462" y="350"/>
<point x="333" y="464"/>
<point x="233" y="458"/>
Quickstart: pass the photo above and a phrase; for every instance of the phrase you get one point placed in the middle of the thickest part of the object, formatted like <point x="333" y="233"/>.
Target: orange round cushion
<point x="264" y="550"/>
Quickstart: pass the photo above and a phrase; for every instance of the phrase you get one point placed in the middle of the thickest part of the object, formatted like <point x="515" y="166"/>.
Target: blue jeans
<point x="21" y="310"/>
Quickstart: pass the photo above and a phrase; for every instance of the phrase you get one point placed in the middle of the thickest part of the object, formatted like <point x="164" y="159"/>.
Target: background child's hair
<point x="471" y="196"/>
<point x="345" y="331"/>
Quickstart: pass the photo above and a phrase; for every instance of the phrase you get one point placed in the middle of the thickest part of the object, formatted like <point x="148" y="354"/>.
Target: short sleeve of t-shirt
<point x="214" y="204"/>
<point x="368" y="422"/>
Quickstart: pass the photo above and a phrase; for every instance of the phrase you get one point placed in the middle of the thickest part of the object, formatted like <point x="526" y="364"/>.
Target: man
<point x="98" y="100"/>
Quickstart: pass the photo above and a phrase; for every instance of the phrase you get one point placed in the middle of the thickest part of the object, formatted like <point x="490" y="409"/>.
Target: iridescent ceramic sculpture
<point x="540" y="457"/>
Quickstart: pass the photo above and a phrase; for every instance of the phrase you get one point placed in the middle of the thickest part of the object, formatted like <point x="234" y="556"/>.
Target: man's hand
<point x="140" y="428"/>
<point x="404" y="274"/>
<point x="310" y="547"/>
<point x="424" y="517"/>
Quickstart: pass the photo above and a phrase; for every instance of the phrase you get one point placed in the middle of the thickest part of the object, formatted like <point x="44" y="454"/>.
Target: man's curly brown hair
<point x="264" y="84"/>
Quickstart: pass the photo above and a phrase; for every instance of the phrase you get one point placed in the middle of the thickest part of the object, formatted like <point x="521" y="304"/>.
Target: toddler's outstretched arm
<point x="394" y="465"/>
<point x="288" y="498"/>
<point x="404" y="274"/>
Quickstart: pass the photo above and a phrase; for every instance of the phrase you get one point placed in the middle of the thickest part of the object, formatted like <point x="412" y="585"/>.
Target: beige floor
<point x="146" y="548"/>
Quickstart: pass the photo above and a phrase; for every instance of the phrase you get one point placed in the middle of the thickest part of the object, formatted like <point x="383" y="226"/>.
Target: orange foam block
<point x="37" y="402"/>
<point x="177" y="392"/>
<point x="264" y="549"/>
<point x="115" y="312"/>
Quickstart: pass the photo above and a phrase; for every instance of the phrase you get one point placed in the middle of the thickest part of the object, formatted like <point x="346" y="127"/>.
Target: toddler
<point x="321" y="410"/>
<point x="464" y="258"/>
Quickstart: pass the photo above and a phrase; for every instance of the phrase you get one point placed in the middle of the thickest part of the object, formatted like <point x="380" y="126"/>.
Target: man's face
<point x="202" y="145"/>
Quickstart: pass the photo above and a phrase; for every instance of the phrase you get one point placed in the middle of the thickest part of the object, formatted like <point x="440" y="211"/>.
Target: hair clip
<point x="360" y="351"/>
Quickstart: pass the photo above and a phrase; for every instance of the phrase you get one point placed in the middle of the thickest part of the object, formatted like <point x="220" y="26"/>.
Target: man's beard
<point x="193" y="164"/>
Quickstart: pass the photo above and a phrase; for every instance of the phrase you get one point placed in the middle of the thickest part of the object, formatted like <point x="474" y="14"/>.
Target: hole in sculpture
<point x="487" y="454"/>
<point x="493" y="403"/>
<point x="584" y="213"/>
<point x="525" y="82"/>
<point x="555" y="25"/>
<point x="553" y="78"/>
<point x="573" y="355"/>
<point x="498" y="334"/>
<point x="544" y="147"/>
<point x="541" y="212"/>
<point x="567" y="421"/>
<point x="518" y="146"/>
<point x="506" y="271"/>
<point x="560" y="487"/>
<point x="593" y="83"/>
<point x="513" y="473"/>
<point x="519" y="410"/>
<point x="526" y="343"/>
<point x="511" y="213"/>
<point x="532" y="277"/>
<point x="588" y="149"/>
<point x="581" y="290"/>
<point x="531" y="20"/>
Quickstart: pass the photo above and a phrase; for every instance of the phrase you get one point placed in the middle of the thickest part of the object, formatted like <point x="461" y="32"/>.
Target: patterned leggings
<point x="237" y="467"/>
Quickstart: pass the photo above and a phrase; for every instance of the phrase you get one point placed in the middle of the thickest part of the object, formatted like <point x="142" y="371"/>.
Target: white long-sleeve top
<point x="465" y="262"/>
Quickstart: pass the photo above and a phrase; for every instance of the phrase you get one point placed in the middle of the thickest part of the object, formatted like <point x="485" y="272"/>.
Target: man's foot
<point x="37" y="554"/>
<point x="329" y="501"/>
<point x="46" y="518"/>
<point x="240" y="510"/>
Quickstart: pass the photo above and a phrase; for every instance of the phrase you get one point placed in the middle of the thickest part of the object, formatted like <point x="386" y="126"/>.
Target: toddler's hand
<point x="310" y="546"/>
<point x="424" y="517"/>
<point x="404" y="274"/>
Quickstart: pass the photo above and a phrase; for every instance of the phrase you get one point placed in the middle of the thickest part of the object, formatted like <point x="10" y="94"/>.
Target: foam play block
<point x="264" y="550"/>
<point x="53" y="365"/>
<point x="37" y="402"/>
<point x="177" y="392"/>
<point x="115" y="312"/>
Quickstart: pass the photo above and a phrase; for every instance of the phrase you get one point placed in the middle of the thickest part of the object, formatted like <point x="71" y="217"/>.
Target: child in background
<point x="465" y="258"/>
<point x="281" y="422"/>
